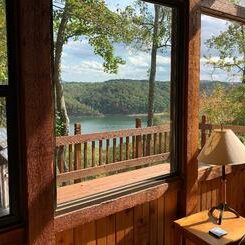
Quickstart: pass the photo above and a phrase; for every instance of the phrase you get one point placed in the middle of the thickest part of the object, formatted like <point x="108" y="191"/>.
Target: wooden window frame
<point x="220" y="9"/>
<point x="177" y="74"/>
<point x="11" y="95"/>
<point x="33" y="25"/>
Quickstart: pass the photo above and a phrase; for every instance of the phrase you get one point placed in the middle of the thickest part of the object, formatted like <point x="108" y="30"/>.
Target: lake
<point x="91" y="124"/>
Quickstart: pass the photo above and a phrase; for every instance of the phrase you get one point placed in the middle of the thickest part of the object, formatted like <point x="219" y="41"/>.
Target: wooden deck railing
<point x="84" y="155"/>
<point x="206" y="129"/>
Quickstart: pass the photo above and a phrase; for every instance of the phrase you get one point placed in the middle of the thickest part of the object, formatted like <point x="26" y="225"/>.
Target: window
<point x="10" y="185"/>
<point x="116" y="94"/>
<point x="222" y="76"/>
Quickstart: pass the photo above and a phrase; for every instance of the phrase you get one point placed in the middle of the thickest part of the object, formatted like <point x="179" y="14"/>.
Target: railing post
<point x="138" y="139"/>
<point x="60" y="158"/>
<point x="203" y="130"/>
<point x="77" y="150"/>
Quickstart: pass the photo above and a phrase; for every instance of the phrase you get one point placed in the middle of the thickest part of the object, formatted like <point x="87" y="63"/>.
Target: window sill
<point x="209" y="172"/>
<point x="90" y="188"/>
<point x="118" y="203"/>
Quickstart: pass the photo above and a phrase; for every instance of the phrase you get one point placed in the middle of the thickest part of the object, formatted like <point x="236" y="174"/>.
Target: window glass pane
<point x="222" y="83"/>
<point x="3" y="45"/>
<point x="4" y="185"/>
<point x="112" y="74"/>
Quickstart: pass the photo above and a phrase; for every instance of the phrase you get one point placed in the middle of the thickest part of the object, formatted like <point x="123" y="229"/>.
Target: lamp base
<point x="222" y="207"/>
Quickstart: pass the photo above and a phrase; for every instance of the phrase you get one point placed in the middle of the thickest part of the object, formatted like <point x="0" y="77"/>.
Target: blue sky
<point x="80" y="64"/>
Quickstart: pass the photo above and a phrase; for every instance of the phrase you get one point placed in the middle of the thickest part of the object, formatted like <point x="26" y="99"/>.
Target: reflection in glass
<point x="4" y="184"/>
<point x="3" y="45"/>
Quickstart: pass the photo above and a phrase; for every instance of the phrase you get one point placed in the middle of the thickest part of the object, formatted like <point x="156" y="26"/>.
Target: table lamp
<point x="222" y="147"/>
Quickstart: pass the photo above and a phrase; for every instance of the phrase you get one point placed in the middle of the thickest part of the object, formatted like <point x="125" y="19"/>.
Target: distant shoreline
<point x="126" y="115"/>
<point x="145" y="114"/>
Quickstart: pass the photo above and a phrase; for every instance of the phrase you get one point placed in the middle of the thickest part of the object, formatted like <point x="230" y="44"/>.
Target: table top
<point x="195" y="227"/>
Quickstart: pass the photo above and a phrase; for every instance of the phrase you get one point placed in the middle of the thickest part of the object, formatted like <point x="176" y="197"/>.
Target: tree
<point x="230" y="45"/>
<point x="90" y="19"/>
<point x="3" y="43"/>
<point x="224" y="105"/>
<point x="154" y="35"/>
<point x="3" y="60"/>
<point x="217" y="106"/>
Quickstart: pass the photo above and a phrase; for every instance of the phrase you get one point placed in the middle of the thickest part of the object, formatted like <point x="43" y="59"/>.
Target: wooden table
<point x="195" y="228"/>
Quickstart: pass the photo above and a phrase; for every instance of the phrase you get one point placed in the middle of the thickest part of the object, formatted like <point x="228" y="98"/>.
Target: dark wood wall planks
<point x="209" y="191"/>
<point x="151" y="222"/>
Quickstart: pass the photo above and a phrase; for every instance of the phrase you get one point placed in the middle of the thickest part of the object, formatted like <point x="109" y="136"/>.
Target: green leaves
<point x="145" y="36"/>
<point x="103" y="47"/>
<point x="230" y="45"/>
<point x="93" y="20"/>
<point x="224" y="105"/>
<point x="3" y="43"/>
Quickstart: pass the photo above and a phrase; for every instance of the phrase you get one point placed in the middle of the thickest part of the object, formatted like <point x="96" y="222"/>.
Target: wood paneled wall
<point x="151" y="223"/>
<point x="209" y="191"/>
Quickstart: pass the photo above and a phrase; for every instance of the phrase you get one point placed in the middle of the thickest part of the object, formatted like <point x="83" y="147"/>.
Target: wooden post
<point x="60" y="158"/>
<point x="165" y="141"/>
<point x="70" y="158"/>
<point x="133" y="147"/>
<point x="127" y="148"/>
<point x="189" y="192"/>
<point x="93" y="153"/>
<point x="100" y="152"/>
<point x="107" y="151"/>
<point x="85" y="154"/>
<point x="203" y="130"/>
<point x="138" y="139"/>
<point x="121" y="149"/>
<point x="33" y="20"/>
<point x="155" y="143"/>
<point x="160" y="143"/>
<point x="114" y="150"/>
<point x="144" y="145"/>
<point x="77" y="150"/>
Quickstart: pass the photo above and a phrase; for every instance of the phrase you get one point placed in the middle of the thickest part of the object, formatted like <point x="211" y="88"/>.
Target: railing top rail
<point x="112" y="167"/>
<point x="235" y="128"/>
<point x="81" y="138"/>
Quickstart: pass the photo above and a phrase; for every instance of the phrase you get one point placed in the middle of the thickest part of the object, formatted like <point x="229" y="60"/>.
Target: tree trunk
<point x="152" y="76"/>
<point x="243" y="50"/>
<point x="59" y="96"/>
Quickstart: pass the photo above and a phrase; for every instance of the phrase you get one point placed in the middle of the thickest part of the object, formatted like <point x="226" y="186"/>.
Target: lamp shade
<point x="222" y="147"/>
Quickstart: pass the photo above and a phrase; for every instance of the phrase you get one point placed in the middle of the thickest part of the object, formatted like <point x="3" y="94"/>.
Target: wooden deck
<point x="88" y="188"/>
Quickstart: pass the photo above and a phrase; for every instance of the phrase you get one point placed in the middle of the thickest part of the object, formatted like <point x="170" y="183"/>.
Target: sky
<point x="80" y="64"/>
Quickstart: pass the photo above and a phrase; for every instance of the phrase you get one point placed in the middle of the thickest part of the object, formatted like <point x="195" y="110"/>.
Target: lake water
<point x="91" y="124"/>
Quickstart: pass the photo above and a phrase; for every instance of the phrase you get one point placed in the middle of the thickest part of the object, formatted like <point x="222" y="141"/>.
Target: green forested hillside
<point x="118" y="97"/>
<point x="114" y="97"/>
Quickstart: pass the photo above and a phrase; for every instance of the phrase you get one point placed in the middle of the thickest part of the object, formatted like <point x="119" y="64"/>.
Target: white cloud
<point x="88" y="66"/>
<point x="140" y="60"/>
<point x="79" y="63"/>
<point x="163" y="60"/>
